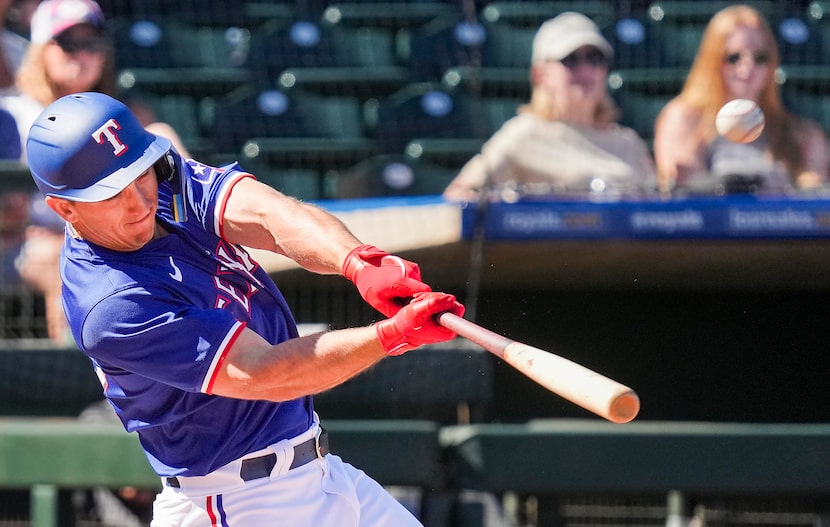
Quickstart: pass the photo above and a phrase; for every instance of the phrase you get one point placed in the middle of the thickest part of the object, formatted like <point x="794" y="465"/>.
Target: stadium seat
<point x="443" y="43"/>
<point x="195" y="12"/>
<point x="636" y="43"/>
<point x="182" y="112"/>
<point x="309" y="44"/>
<point x="433" y="124"/>
<point x="803" y="36"/>
<point x="507" y="46"/>
<point x="173" y="57"/>
<point x="256" y="111"/>
<point x="806" y="92"/>
<point x="291" y="129"/>
<point x="641" y="94"/>
<point x="490" y="82"/>
<point x="427" y="110"/>
<point x="532" y="14"/>
<point x="700" y="11"/>
<point x="391" y="15"/>
<point x="391" y="175"/>
<point x="354" y="60"/>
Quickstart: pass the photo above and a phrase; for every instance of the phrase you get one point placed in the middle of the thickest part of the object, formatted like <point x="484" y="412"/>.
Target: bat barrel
<point x="590" y="390"/>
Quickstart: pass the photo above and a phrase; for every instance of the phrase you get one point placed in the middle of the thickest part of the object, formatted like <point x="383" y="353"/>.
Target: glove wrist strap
<point x="391" y="339"/>
<point x="358" y="259"/>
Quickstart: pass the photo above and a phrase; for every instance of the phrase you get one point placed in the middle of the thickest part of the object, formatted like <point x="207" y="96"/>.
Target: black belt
<point x="261" y="467"/>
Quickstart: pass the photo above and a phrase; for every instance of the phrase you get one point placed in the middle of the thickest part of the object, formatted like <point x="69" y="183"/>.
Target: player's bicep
<point x="244" y="220"/>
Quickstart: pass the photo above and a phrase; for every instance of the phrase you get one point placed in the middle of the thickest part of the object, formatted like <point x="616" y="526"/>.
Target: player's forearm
<point x="297" y="367"/>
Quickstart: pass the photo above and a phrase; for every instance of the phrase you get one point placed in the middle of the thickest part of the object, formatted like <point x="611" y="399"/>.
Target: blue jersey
<point x="157" y="323"/>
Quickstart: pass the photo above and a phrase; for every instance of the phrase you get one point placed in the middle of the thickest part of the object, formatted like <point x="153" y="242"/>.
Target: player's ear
<point x="62" y="207"/>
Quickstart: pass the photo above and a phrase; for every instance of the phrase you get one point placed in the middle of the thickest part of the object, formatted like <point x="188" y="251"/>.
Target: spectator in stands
<point x="12" y="204"/>
<point x="567" y="138"/>
<point x="737" y="58"/>
<point x="70" y="52"/>
<point x="9" y="137"/>
<point x="16" y="16"/>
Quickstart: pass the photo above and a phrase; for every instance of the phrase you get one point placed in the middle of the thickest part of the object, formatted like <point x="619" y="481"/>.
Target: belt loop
<point x="321" y="442"/>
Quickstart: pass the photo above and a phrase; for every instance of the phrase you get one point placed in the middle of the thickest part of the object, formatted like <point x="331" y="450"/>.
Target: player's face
<point x="577" y="82"/>
<point x="746" y="64"/>
<point x="75" y="60"/>
<point x="125" y="222"/>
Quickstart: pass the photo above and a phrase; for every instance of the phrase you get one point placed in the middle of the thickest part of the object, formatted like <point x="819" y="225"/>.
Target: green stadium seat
<point x="507" y="46"/>
<point x="168" y="56"/>
<point x="700" y="11"/>
<point x="806" y="92"/>
<point x="428" y="110"/>
<point x="391" y="175"/>
<point x="290" y="129"/>
<point x="360" y="82"/>
<point x="642" y="93"/>
<point x="443" y="43"/>
<point x="262" y="111"/>
<point x="15" y="176"/>
<point x="803" y="37"/>
<point x="301" y="43"/>
<point x="489" y="82"/>
<point x="182" y="112"/>
<point x="393" y="15"/>
<point x="532" y="14"/>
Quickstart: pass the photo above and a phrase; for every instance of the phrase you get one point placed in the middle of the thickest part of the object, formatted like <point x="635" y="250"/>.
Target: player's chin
<point x="141" y="232"/>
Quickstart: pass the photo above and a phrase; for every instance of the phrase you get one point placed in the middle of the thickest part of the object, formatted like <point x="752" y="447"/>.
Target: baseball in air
<point x="740" y="120"/>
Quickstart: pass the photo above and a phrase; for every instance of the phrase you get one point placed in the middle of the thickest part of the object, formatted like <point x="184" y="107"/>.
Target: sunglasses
<point x="759" y="57"/>
<point x="74" y="45"/>
<point x="592" y="57"/>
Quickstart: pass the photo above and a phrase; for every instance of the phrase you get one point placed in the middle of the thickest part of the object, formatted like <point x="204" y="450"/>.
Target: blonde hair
<point x="33" y="80"/>
<point x="704" y="88"/>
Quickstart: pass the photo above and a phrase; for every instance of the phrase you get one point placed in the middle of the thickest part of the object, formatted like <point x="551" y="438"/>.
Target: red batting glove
<point x="416" y="325"/>
<point x="386" y="282"/>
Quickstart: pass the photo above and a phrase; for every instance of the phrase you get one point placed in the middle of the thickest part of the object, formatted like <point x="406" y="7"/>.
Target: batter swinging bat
<point x="578" y="384"/>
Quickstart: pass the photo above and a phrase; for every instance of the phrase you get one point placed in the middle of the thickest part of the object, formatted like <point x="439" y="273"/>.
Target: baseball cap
<point x="560" y="36"/>
<point x="53" y="17"/>
<point x="88" y="147"/>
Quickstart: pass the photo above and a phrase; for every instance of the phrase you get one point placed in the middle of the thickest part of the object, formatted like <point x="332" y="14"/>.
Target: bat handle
<point x="489" y="340"/>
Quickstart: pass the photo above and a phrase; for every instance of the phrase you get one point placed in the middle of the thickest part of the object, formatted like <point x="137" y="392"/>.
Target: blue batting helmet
<point x="89" y="147"/>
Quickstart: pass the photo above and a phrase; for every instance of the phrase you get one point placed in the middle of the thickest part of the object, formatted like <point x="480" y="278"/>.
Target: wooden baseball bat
<point x="590" y="390"/>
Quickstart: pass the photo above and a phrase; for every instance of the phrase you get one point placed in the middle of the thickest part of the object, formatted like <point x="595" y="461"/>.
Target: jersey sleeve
<point x="206" y="190"/>
<point x="159" y="337"/>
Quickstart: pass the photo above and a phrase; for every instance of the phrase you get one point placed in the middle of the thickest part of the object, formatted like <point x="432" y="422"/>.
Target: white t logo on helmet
<point x="107" y="132"/>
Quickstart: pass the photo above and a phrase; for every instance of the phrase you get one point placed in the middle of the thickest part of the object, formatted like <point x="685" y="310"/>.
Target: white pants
<point x="323" y="493"/>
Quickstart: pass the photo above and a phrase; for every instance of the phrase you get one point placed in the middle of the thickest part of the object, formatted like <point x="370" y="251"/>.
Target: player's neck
<point x="160" y="231"/>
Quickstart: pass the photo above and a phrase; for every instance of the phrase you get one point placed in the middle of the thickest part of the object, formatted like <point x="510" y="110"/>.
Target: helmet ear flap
<point x="165" y="167"/>
<point x="167" y="170"/>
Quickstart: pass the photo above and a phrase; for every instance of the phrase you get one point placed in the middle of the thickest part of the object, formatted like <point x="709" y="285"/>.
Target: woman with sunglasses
<point x="70" y="52"/>
<point x="737" y="59"/>
<point x="566" y="140"/>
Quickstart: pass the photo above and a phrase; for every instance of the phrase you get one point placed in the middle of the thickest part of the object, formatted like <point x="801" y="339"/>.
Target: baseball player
<point x="195" y="346"/>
